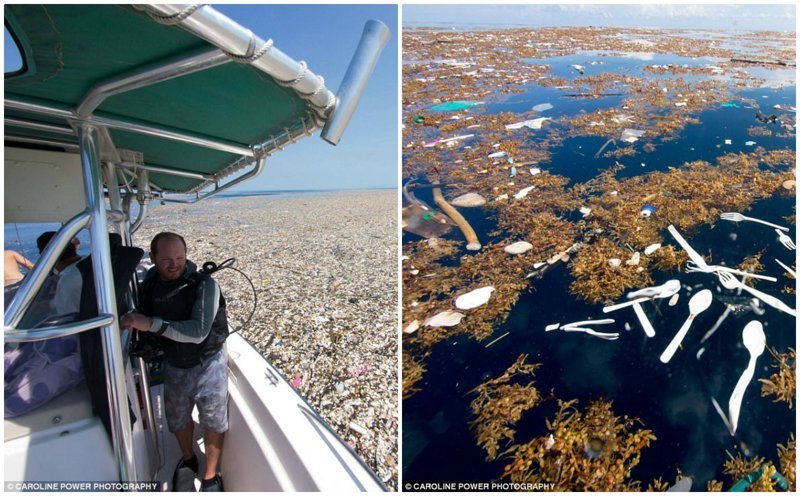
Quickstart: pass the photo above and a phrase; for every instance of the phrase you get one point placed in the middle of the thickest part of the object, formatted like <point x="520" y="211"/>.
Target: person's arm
<point x="21" y="260"/>
<point x="194" y="330"/>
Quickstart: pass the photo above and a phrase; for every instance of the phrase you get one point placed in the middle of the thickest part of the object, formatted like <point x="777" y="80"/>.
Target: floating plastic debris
<point x="447" y="140"/>
<point x="468" y="200"/>
<point x="412" y="327"/>
<point x="674" y="300"/>
<point x="448" y="318"/>
<point x="550" y="442"/>
<point x="496" y="339"/>
<point x="631" y="135"/>
<point x="697" y="304"/>
<point x="652" y="248"/>
<point x="648" y="210"/>
<point x="536" y="170"/>
<point x="585" y="211"/>
<point x="755" y="341"/>
<point x="523" y="193"/>
<point x="789" y="184"/>
<point x="497" y="154"/>
<point x="663" y="291"/>
<point x="296" y="382"/>
<point x="749" y="143"/>
<point x="357" y="428"/>
<point x="634" y="260"/>
<point x="683" y="485"/>
<point x="643" y="320"/>
<point x="552" y="327"/>
<point x="577" y="327"/>
<point x="474" y="298"/>
<point x="538" y="265"/>
<point x="455" y="106"/>
<point x="419" y="119"/>
<point x="513" y="171"/>
<point x="541" y="107"/>
<point x="518" y="248"/>
<point x="614" y="262"/>
<point x="532" y="124"/>
<point x="680" y="104"/>
<point x="504" y="196"/>
<point x="731" y="105"/>
<point x="578" y="68"/>
<point x="728" y="142"/>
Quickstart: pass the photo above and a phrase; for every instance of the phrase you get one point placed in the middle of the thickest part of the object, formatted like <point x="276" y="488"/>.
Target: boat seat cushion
<point x="72" y="406"/>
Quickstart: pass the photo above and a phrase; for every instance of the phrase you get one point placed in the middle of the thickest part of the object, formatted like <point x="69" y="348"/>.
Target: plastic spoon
<point x="666" y="290"/>
<point x="755" y="341"/>
<point x="697" y="304"/>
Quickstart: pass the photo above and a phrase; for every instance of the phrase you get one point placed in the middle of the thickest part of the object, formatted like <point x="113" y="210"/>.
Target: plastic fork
<point x="721" y="268"/>
<point x="737" y="217"/>
<point x="785" y="240"/>
<point x="730" y="282"/>
<point x="788" y="269"/>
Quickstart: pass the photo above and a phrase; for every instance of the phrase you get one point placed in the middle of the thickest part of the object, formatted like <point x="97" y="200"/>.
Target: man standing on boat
<point x="186" y="309"/>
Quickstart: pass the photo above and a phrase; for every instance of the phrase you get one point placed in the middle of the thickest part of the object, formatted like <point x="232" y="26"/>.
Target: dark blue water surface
<point x="674" y="400"/>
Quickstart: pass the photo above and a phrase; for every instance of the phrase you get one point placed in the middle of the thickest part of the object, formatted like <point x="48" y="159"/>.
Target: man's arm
<point x="21" y="260"/>
<point x="194" y="330"/>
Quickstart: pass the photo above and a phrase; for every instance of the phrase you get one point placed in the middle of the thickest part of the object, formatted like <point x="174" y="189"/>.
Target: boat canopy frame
<point x="105" y="167"/>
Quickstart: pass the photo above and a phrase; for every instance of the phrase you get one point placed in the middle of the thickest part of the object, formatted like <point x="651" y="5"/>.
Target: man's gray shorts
<point x="205" y="385"/>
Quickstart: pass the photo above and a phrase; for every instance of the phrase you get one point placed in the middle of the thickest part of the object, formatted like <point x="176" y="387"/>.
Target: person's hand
<point x="136" y="321"/>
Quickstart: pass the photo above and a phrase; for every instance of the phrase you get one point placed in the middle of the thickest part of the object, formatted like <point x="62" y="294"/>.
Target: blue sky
<point x="326" y="36"/>
<point x="689" y="16"/>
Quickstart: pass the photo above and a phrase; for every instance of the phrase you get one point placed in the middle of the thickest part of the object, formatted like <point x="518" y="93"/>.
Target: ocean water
<point x="673" y="399"/>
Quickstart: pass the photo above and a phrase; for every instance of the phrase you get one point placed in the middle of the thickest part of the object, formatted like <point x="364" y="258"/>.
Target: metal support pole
<point x="369" y="49"/>
<point x="122" y="437"/>
<point x="143" y="196"/>
<point x="139" y="79"/>
<point x="144" y="372"/>
<point x="144" y="384"/>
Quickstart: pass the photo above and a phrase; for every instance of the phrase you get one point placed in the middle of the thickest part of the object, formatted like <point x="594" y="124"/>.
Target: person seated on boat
<point x="186" y="309"/>
<point x="36" y="372"/>
<point x="11" y="264"/>
<point x="67" y="294"/>
<point x="50" y="302"/>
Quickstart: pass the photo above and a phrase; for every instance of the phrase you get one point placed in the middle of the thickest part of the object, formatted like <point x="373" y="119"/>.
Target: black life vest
<point x="173" y="301"/>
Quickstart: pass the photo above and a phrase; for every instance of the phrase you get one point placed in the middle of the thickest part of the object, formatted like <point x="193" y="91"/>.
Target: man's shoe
<point x="213" y="485"/>
<point x="185" y="473"/>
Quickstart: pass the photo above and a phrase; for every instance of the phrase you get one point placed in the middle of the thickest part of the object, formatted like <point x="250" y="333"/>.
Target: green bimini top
<point x="241" y="98"/>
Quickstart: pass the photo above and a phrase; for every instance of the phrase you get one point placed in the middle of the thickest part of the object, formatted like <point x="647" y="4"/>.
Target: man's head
<point x="168" y="254"/>
<point x="70" y="251"/>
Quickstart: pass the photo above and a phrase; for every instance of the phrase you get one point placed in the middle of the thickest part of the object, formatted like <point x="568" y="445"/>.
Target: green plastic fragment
<point x="453" y="106"/>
